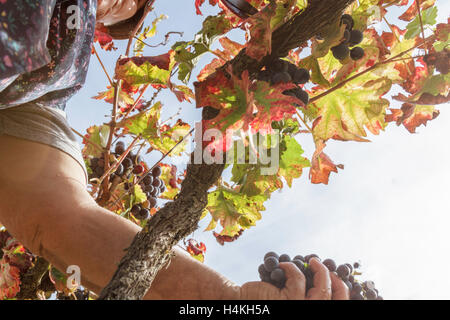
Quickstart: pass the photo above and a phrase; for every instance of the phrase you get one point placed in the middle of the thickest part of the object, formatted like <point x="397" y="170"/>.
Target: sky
<point x="388" y="209"/>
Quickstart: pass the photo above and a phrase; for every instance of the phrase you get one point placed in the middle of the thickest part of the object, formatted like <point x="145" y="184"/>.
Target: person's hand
<point x="327" y="285"/>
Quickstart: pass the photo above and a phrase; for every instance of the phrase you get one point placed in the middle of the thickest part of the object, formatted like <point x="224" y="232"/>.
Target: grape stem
<point x="103" y="66"/>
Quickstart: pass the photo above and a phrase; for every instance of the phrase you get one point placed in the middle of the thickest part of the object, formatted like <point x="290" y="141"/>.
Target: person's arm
<point x="45" y="205"/>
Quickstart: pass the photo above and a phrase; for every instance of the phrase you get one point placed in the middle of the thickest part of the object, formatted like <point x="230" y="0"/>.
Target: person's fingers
<point x="339" y="289"/>
<point x="295" y="281"/>
<point x="322" y="281"/>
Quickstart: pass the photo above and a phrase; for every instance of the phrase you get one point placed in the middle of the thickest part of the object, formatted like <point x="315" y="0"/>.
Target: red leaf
<point x="103" y="38"/>
<point x="321" y="165"/>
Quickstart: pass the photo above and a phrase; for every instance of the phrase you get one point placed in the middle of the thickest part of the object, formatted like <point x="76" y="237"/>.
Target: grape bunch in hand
<point x="271" y="272"/>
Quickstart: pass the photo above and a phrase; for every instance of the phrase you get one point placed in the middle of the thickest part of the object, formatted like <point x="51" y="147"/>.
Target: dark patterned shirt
<point x="45" y="47"/>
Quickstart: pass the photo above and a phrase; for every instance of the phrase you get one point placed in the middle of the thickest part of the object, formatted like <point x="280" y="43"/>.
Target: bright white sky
<point x="389" y="208"/>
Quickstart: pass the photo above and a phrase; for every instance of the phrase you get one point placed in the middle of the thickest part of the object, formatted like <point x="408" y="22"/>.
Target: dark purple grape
<point x="143" y="214"/>
<point x="357" y="53"/>
<point x="162" y="187"/>
<point x="299" y="257"/>
<point x="356" y="265"/>
<point x="119" y="170"/>
<point x="301" y="76"/>
<point x="270" y="254"/>
<point x="148" y="179"/>
<point x="281" y="77"/>
<point x="101" y="163"/>
<point x="155" y="193"/>
<point x="341" y="51"/>
<point x="156" y="182"/>
<point x="94" y="162"/>
<point x="99" y="171"/>
<point x="127" y="163"/>
<point x="348" y="21"/>
<point x="284" y="258"/>
<point x="278" y="66"/>
<point x="156" y="171"/>
<point x="149" y="188"/>
<point x="120" y="147"/>
<point x="343" y="271"/>
<point x="349" y="285"/>
<point x="371" y="294"/>
<point x="136" y="209"/>
<point x="309" y="256"/>
<point x="351" y="278"/>
<point x="302" y="95"/>
<point x="152" y="201"/>
<point x="138" y="169"/>
<point x="357" y="296"/>
<point x="300" y="264"/>
<point x="356" y="288"/>
<point x="330" y="264"/>
<point x="264" y="75"/>
<point x="356" y="37"/>
<point x="292" y="69"/>
<point x="271" y="263"/>
<point x="349" y="267"/>
<point x="278" y="275"/>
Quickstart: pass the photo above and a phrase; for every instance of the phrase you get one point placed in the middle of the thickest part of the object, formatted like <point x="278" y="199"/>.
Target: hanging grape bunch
<point x="351" y="39"/>
<point x="271" y="272"/>
<point x="281" y="71"/>
<point x="150" y="182"/>
<point x="153" y="186"/>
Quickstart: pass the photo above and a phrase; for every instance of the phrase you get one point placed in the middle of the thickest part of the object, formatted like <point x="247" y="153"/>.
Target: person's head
<point x="120" y="16"/>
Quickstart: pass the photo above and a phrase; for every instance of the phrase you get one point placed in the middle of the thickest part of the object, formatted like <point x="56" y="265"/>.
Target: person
<point x="44" y="201"/>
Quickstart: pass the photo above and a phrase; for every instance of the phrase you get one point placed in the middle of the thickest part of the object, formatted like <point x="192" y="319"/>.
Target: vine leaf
<point x="188" y="52"/>
<point x="146" y="70"/>
<point x="161" y="137"/>
<point x="345" y="113"/>
<point x="260" y="43"/>
<point x="412" y="116"/>
<point x="103" y="38"/>
<point x="411" y="12"/>
<point x="428" y="18"/>
<point x="234" y="210"/>
<point x="321" y="165"/>
<point x="169" y="176"/>
<point x="97" y="135"/>
<point x="231" y="49"/>
<point x="291" y="160"/>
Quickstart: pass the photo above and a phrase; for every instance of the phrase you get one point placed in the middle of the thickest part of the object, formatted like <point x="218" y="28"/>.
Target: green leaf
<point x="344" y="113"/>
<point x="291" y="161"/>
<point x="428" y="18"/>
<point x="234" y="210"/>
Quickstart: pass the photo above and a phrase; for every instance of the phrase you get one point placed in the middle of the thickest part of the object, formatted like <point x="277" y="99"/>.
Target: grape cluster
<point x="351" y="39"/>
<point x="282" y="71"/>
<point x="150" y="182"/>
<point x="271" y="272"/>
<point x="153" y="186"/>
<point x="131" y="164"/>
